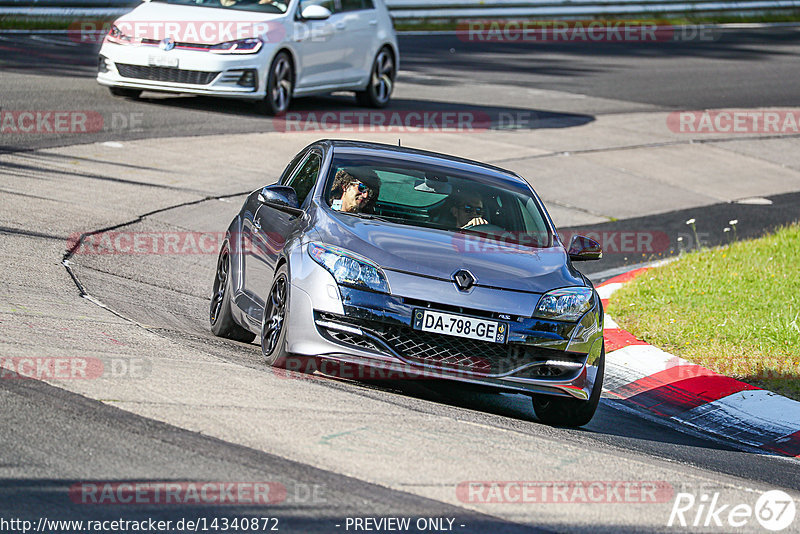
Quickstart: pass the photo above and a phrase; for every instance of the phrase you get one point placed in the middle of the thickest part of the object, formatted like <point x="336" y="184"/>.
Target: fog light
<point x="102" y="64"/>
<point x="248" y="79"/>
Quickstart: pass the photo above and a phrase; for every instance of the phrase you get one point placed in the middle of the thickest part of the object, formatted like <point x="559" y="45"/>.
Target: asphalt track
<point x="734" y="69"/>
<point x="53" y="438"/>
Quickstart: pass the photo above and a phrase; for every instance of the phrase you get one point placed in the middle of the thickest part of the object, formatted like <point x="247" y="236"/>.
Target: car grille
<point x="190" y="46"/>
<point x="351" y="339"/>
<point x="454" y="353"/>
<point x="166" y="74"/>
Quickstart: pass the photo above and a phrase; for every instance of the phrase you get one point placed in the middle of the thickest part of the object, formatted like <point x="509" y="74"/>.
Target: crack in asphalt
<point x="139" y="218"/>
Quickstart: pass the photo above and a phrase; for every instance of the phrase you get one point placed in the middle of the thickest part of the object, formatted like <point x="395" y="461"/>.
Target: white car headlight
<point x="349" y="268"/>
<point x="567" y="304"/>
<point x="115" y="35"/>
<point x="242" y="46"/>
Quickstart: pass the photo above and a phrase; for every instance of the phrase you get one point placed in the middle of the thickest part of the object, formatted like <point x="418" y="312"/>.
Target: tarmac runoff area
<point x="148" y="311"/>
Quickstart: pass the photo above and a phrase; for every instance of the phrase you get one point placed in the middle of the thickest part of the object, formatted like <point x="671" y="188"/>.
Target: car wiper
<point x="363" y="215"/>
<point x="372" y="216"/>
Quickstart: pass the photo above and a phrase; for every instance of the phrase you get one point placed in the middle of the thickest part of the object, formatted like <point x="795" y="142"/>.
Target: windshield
<point x="431" y="196"/>
<point x="263" y="6"/>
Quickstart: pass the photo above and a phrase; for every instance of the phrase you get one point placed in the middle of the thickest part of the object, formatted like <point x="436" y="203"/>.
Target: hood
<point x="193" y="24"/>
<point x="439" y="254"/>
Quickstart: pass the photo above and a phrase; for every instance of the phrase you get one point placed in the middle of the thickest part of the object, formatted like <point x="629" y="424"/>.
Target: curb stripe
<point x="756" y="417"/>
<point x="625" y="277"/>
<point x="616" y="338"/>
<point x="670" y="393"/>
<point x="666" y="385"/>
<point x="788" y="445"/>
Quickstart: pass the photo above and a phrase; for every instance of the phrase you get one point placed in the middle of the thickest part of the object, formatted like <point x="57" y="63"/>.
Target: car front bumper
<point x="182" y="71"/>
<point x="374" y="330"/>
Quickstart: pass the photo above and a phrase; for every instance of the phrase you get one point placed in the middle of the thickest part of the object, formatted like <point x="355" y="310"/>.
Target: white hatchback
<point x="263" y="50"/>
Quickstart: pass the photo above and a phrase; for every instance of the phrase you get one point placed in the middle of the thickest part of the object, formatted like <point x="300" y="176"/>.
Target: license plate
<point x="162" y="61"/>
<point x="452" y="324"/>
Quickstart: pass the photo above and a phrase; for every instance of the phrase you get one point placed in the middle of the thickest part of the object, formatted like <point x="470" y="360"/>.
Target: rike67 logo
<point x="774" y="510"/>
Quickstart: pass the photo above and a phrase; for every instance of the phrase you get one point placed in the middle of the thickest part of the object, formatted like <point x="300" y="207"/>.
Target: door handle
<point x="373" y="23"/>
<point x="340" y="25"/>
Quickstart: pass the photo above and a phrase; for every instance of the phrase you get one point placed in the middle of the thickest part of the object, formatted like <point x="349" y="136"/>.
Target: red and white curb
<point x="647" y="377"/>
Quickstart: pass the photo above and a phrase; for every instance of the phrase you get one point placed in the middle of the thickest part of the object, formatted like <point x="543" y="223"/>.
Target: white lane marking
<point x="607" y="290"/>
<point x="755" y="201"/>
<point x="112" y="144"/>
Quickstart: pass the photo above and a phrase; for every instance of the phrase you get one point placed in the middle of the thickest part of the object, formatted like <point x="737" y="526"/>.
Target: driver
<point x="358" y="191"/>
<point x="468" y="210"/>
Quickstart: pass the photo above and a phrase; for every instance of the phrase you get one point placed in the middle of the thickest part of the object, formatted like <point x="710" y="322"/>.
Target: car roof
<point x="413" y="154"/>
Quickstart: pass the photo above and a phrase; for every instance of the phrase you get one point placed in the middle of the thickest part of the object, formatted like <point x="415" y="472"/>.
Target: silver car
<point x="418" y="265"/>
<point x="267" y="51"/>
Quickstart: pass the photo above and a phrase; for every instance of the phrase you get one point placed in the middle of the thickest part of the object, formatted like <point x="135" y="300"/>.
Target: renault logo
<point x="464" y="280"/>
<point x="167" y="44"/>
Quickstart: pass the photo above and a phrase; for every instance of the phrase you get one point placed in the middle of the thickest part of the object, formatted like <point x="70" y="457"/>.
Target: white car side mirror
<point x="315" y="12"/>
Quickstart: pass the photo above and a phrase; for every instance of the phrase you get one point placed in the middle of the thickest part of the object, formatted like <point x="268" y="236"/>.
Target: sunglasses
<point x="362" y="188"/>
<point x="469" y="209"/>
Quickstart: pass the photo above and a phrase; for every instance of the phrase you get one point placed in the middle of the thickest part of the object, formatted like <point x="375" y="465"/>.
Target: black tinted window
<point x="306" y="176"/>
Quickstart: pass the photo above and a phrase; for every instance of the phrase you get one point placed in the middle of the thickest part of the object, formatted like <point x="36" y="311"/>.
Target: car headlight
<point x="115" y="35"/>
<point x="567" y="304"/>
<point x="242" y="46"/>
<point x="349" y="268"/>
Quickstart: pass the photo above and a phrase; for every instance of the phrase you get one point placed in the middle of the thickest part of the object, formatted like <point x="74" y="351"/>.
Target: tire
<point x="273" y="328"/>
<point x="280" y="84"/>
<point x="380" y="85"/>
<point x="125" y="93"/>
<point x="560" y="411"/>
<point x="219" y="315"/>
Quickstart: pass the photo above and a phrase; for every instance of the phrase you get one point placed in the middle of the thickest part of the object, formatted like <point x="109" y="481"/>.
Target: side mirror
<point x="280" y="197"/>
<point x="315" y="12"/>
<point x="583" y="249"/>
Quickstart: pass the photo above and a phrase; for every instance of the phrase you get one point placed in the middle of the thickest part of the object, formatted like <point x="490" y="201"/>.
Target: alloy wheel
<point x="220" y="284"/>
<point x="273" y="316"/>
<point x="382" y="76"/>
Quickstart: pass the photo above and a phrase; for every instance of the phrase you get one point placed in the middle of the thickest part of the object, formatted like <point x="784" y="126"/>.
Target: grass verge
<point x="732" y="309"/>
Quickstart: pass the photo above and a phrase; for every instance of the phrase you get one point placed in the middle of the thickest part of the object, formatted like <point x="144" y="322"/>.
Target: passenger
<point x="355" y="192"/>
<point x="468" y="210"/>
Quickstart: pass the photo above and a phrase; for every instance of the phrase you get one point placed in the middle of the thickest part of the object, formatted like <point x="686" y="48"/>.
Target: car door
<point x="360" y="20"/>
<point x="320" y="46"/>
<point x="272" y="228"/>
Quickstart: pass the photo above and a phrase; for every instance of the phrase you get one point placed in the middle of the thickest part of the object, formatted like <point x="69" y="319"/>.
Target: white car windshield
<point x="434" y="196"/>
<point x="263" y="6"/>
